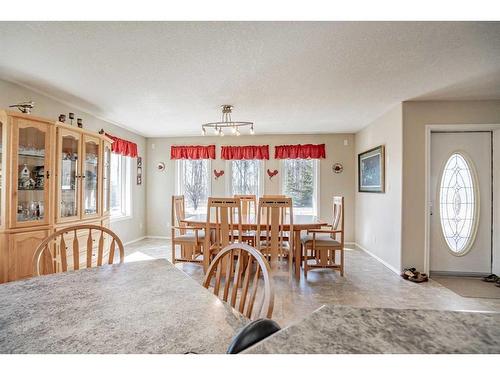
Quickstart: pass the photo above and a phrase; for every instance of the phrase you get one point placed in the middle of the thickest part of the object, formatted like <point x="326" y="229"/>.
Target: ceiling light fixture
<point x="227" y="123"/>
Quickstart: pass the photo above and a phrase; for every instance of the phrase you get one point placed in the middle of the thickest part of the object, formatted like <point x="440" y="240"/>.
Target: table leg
<point x="298" y="253"/>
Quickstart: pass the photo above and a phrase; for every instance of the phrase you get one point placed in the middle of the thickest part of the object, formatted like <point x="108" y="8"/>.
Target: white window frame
<point x="125" y="184"/>
<point x="229" y="180"/>
<point x="316" y="192"/>
<point x="178" y="176"/>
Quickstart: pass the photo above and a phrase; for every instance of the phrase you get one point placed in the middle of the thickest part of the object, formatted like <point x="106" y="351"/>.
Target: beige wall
<point x="161" y="185"/>
<point x="416" y="115"/>
<point x="496" y="205"/>
<point x="378" y="216"/>
<point x="129" y="229"/>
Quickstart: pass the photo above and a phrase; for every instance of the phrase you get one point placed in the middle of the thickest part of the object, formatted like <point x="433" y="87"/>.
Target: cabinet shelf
<point x="32" y="156"/>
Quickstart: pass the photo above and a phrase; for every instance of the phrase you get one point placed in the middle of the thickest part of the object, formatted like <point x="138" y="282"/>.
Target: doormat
<point x="470" y="287"/>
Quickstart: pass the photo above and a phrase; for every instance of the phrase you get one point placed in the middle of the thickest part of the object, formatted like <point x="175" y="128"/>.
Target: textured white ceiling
<point x="166" y="78"/>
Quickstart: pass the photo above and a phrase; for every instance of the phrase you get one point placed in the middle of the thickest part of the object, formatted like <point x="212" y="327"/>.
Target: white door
<point x="461" y="207"/>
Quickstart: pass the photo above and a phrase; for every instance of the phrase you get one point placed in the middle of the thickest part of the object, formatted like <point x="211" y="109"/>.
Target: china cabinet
<point x="52" y="175"/>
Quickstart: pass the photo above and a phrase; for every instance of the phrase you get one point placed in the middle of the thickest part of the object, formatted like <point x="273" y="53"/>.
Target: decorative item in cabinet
<point x="69" y="150"/>
<point x="91" y="176"/>
<point x="32" y="142"/>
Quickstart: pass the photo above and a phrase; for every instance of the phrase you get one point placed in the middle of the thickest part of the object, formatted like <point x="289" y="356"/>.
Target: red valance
<point x="245" y="152"/>
<point x="192" y="152"/>
<point x="300" y="152"/>
<point x="123" y="147"/>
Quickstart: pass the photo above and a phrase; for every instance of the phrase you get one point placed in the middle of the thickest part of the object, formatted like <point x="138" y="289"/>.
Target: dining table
<point x="250" y="223"/>
<point x="138" y="307"/>
<point x="337" y="329"/>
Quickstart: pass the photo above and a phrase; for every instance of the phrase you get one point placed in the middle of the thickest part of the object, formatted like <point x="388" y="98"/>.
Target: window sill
<point x="116" y="219"/>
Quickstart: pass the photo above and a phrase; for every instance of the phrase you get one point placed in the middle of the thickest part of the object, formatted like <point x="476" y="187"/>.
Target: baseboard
<point x="159" y="237"/>
<point x="396" y="271"/>
<point x="134" y="241"/>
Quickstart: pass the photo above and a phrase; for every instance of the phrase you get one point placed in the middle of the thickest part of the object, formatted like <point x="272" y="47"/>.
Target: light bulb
<point x="203" y="132"/>
<point x="233" y="130"/>
<point x="237" y="132"/>
<point x="252" y="131"/>
<point x="221" y="133"/>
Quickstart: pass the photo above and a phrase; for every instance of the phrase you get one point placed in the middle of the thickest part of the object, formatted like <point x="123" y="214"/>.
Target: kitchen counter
<point x="345" y="329"/>
<point x="140" y="307"/>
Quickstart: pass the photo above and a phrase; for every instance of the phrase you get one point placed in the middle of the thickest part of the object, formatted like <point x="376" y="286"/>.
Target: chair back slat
<point x="245" y="284"/>
<point x="240" y="278"/>
<point x="236" y="279"/>
<point x="112" y="251"/>
<point x="338" y="214"/>
<point x="251" y="301"/>
<point x="76" y="251"/>
<point x="224" y="219"/>
<point x="51" y="255"/>
<point x="248" y="206"/>
<point x="275" y="214"/>
<point x="64" y="257"/>
<point x="178" y="211"/>
<point x="100" y="250"/>
<point x="227" y="275"/>
<point x="90" y="245"/>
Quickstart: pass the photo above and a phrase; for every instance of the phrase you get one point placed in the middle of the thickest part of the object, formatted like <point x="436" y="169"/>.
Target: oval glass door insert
<point x="458" y="198"/>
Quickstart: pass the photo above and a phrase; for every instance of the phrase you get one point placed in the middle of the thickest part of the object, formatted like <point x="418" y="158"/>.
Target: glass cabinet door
<point x="106" y="178"/>
<point x="31" y="155"/>
<point x="69" y="174"/>
<point x="90" y="176"/>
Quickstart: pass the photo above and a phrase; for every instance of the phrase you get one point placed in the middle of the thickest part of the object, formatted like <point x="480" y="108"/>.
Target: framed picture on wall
<point x="139" y="170"/>
<point x="371" y="170"/>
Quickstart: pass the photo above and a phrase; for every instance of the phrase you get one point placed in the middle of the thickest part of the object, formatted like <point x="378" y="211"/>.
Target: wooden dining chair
<point x="224" y="224"/>
<point x="60" y="252"/>
<point x="248" y="213"/>
<point x="191" y="240"/>
<point x="237" y="269"/>
<point x="324" y="243"/>
<point x="275" y="228"/>
<point x="248" y="206"/>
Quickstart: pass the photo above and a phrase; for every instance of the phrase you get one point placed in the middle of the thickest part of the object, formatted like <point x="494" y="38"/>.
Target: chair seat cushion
<point x="266" y="244"/>
<point x="190" y="237"/>
<point x="322" y="239"/>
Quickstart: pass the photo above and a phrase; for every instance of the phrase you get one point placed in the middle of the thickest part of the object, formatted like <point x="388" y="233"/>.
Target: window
<point x="193" y="181"/>
<point x="245" y="177"/>
<point x="120" y="186"/>
<point x="457" y="204"/>
<point x="300" y="182"/>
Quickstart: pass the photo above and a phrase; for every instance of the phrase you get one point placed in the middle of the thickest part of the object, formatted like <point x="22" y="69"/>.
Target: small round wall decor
<point x="337" y="168"/>
<point x="160" y="166"/>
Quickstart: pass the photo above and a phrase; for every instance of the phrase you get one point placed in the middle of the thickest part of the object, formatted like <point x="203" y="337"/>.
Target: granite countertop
<point x="139" y="307"/>
<point x="344" y="329"/>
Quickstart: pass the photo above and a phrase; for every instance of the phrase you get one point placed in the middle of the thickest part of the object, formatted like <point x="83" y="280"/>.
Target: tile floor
<point x="366" y="283"/>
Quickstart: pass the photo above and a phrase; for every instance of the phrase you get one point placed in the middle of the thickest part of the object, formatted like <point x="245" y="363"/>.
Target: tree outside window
<point x="299" y="183"/>
<point x="245" y="177"/>
<point x="194" y="184"/>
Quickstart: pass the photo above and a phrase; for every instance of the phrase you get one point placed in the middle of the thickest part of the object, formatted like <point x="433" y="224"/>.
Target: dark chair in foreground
<point x="251" y="334"/>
